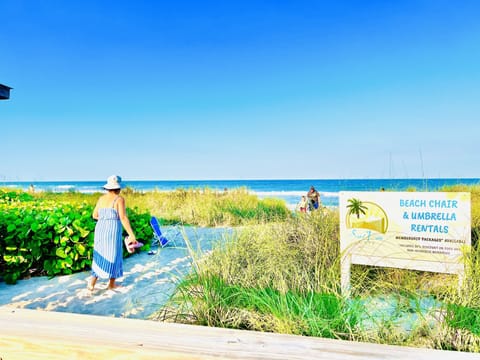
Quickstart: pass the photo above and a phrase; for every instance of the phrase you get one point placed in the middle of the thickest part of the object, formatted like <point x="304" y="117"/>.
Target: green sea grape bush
<point x="14" y="196"/>
<point x="140" y="222"/>
<point x="48" y="238"/>
<point x="71" y="229"/>
<point x="43" y="238"/>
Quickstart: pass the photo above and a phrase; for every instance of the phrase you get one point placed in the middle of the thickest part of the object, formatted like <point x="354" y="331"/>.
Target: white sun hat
<point x="113" y="183"/>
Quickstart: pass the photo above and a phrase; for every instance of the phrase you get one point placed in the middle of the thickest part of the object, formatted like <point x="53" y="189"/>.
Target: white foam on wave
<point x="278" y="193"/>
<point x="291" y="193"/>
<point x="82" y="190"/>
<point x="65" y="187"/>
<point x="329" y="194"/>
<point x="88" y="191"/>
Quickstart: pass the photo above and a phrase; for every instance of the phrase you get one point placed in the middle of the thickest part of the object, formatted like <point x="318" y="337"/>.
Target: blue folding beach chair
<point x="159" y="238"/>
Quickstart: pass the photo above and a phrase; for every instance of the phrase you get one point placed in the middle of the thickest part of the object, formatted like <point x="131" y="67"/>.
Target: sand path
<point x="148" y="282"/>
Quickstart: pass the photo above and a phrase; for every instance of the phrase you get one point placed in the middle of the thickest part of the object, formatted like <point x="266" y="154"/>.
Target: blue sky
<point x="239" y="89"/>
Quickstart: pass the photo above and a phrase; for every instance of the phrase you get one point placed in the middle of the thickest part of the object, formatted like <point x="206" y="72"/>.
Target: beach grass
<point x="285" y="277"/>
<point x="206" y="207"/>
<point x="201" y="207"/>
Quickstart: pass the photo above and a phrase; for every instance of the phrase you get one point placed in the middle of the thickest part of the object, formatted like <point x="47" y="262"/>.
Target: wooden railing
<point x="38" y="334"/>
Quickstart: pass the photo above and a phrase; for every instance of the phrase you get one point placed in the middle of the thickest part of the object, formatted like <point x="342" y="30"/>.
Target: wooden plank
<point x="34" y="334"/>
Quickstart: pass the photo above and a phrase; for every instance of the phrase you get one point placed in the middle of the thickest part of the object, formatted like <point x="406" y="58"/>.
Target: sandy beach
<point x="148" y="281"/>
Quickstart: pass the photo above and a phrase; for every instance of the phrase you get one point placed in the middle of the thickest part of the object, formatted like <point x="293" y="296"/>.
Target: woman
<point x="108" y="246"/>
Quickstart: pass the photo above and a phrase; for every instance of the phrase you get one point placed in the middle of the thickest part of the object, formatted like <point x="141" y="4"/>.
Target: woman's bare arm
<point x="122" y="213"/>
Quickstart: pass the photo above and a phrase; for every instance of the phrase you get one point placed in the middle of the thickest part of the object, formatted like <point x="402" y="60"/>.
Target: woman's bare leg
<point x="112" y="285"/>
<point x="91" y="283"/>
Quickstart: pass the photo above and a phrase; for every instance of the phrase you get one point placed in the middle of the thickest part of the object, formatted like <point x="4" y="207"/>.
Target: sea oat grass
<point x="202" y="207"/>
<point x="452" y="338"/>
<point x="288" y="270"/>
<point x="206" y="207"/>
<point x="272" y="271"/>
<point x="214" y="303"/>
<point x="293" y="255"/>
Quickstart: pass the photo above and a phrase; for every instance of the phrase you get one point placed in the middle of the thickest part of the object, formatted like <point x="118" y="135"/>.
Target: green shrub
<point x="44" y="237"/>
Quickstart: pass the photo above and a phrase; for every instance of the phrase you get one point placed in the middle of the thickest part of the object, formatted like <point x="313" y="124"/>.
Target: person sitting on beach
<point x="303" y="204"/>
<point x="313" y="198"/>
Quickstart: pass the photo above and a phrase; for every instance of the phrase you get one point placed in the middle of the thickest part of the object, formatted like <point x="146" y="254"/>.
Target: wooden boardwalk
<point x="34" y="334"/>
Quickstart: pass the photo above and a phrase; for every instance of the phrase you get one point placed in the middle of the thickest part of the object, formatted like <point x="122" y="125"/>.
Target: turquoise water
<point x="404" y="313"/>
<point x="288" y="190"/>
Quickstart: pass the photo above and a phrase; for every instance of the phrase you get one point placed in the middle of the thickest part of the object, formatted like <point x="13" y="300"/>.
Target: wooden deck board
<point x="34" y="334"/>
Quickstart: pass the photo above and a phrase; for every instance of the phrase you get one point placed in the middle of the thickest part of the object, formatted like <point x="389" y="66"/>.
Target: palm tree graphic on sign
<point x="366" y="215"/>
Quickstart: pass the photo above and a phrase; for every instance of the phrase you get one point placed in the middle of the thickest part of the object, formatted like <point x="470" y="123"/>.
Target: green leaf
<point x="84" y="233"/>
<point x="60" y="253"/>
<point x="64" y="240"/>
<point x="80" y="248"/>
<point x="59" y="228"/>
<point x="10" y="259"/>
<point x="52" y="220"/>
<point x="11" y="227"/>
<point x="35" y="226"/>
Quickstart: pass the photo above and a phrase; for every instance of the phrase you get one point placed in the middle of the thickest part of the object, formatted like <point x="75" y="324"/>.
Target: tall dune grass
<point x="291" y="255"/>
<point x="280" y="277"/>
<point x="284" y="277"/>
<point x="202" y="207"/>
<point x="206" y="207"/>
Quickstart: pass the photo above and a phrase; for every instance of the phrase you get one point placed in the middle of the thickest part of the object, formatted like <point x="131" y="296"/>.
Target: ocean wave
<point x="10" y="186"/>
<point x="89" y="191"/>
<point x="329" y="194"/>
<point x="291" y="193"/>
<point x="65" y="187"/>
<point x="278" y="193"/>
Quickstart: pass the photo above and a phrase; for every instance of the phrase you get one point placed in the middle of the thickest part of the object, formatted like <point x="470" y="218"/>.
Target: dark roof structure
<point x="4" y="92"/>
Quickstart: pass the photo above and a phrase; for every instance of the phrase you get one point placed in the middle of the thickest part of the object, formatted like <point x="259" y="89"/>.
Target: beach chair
<point x="158" y="237"/>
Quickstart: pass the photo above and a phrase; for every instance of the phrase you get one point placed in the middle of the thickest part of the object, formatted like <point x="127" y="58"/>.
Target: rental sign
<point x="429" y="231"/>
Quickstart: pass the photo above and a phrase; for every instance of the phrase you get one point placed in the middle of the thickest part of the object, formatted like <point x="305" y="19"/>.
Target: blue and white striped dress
<point x="108" y="246"/>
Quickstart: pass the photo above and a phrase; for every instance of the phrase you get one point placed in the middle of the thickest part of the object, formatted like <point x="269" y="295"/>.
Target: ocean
<point x="288" y="190"/>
